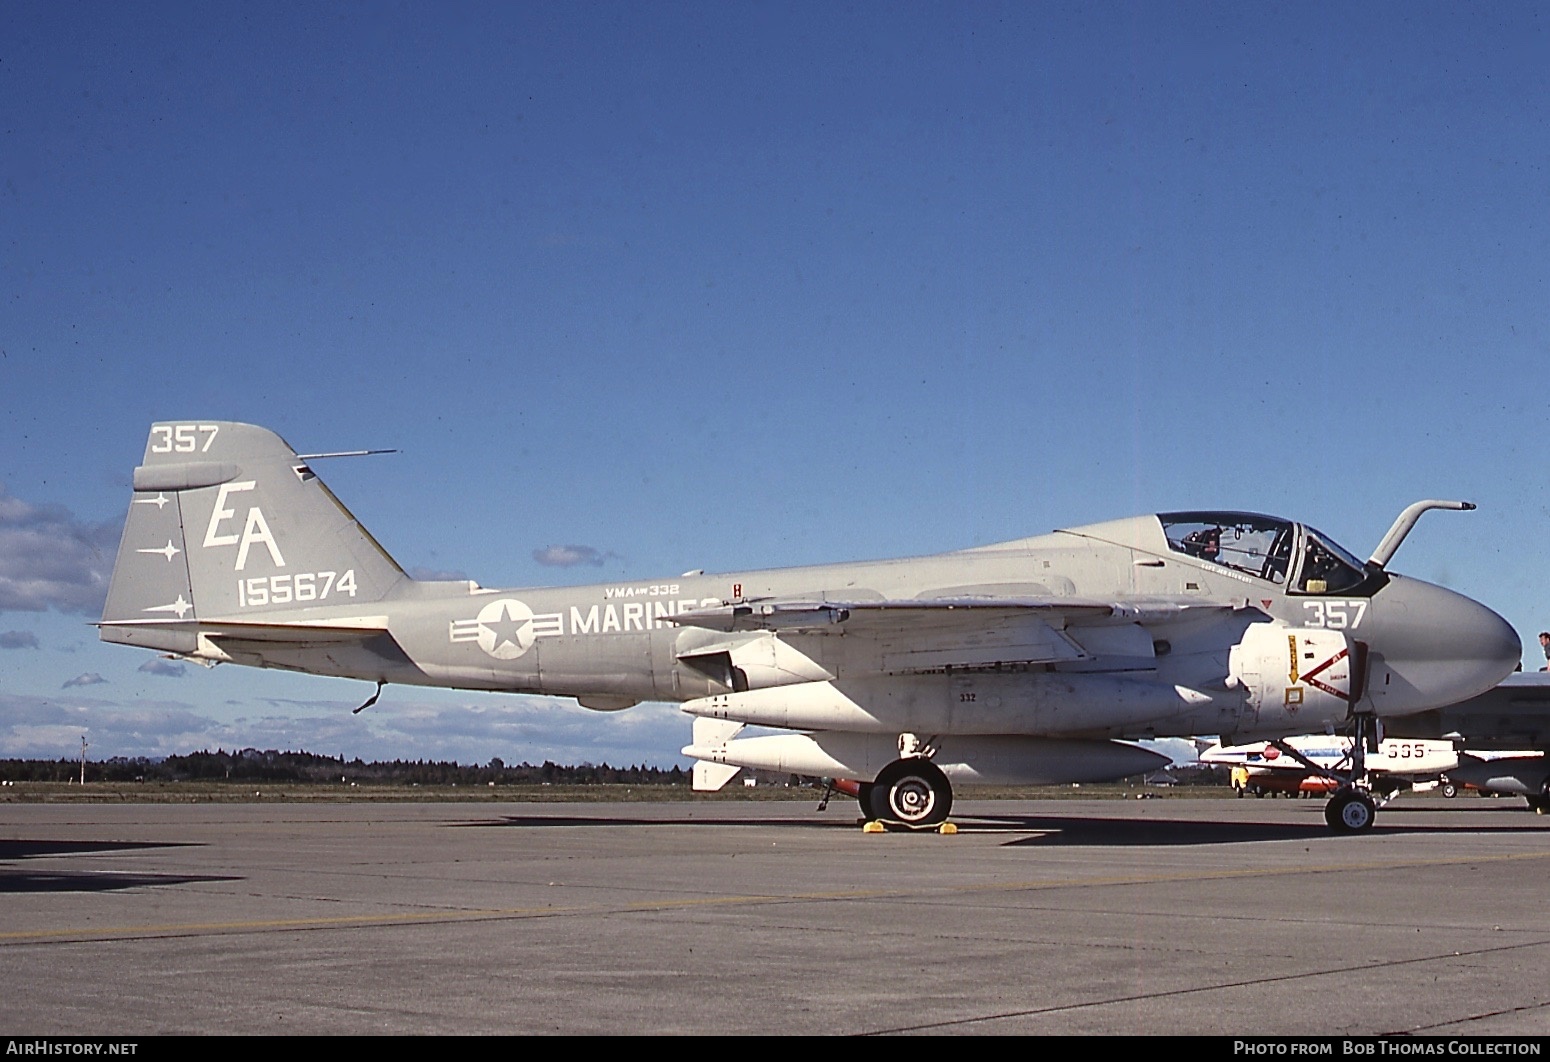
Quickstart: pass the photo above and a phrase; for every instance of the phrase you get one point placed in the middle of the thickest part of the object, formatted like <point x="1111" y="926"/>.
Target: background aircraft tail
<point x="227" y="521"/>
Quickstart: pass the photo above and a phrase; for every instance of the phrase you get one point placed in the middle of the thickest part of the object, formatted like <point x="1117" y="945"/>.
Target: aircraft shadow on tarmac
<point x="1039" y="830"/>
<point x="1047" y="830"/>
<point x="847" y="821"/>
<point x="20" y="879"/>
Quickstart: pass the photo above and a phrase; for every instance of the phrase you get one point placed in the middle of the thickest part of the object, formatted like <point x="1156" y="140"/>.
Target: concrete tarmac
<point x="1244" y="917"/>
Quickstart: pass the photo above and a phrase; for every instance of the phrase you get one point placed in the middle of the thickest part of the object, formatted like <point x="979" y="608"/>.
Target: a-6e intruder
<point x="1032" y="661"/>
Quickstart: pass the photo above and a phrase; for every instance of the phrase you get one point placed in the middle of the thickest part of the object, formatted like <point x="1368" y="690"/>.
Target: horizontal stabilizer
<point x="220" y="640"/>
<point x="336" y="632"/>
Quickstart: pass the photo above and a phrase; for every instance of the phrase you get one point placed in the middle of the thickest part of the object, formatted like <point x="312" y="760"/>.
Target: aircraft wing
<point x="888" y="615"/>
<point x="923" y="634"/>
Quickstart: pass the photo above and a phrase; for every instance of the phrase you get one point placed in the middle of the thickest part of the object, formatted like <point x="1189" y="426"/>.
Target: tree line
<point x="254" y="765"/>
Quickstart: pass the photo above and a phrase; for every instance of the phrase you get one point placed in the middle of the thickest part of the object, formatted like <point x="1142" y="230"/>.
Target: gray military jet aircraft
<point x="1023" y="662"/>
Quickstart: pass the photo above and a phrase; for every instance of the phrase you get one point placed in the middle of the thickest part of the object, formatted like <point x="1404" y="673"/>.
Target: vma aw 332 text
<point x="1031" y="661"/>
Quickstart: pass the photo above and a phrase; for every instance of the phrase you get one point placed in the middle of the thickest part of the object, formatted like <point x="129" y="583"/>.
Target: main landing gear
<point x="1540" y="805"/>
<point x="911" y="792"/>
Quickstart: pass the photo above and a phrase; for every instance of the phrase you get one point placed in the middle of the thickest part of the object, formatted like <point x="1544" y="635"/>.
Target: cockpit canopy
<point x="1294" y="556"/>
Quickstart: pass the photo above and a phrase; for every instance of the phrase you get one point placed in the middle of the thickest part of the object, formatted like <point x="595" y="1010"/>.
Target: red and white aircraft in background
<point x="1311" y="765"/>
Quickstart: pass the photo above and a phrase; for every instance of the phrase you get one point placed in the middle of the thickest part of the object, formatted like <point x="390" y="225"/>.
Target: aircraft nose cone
<point x="1504" y="646"/>
<point x="1485" y="639"/>
<point x="1444" y="647"/>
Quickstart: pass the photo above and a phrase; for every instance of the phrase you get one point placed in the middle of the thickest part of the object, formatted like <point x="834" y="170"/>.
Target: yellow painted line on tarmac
<point x="97" y="933"/>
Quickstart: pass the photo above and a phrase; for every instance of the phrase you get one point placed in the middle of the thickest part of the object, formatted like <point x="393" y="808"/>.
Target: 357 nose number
<point x="1335" y="615"/>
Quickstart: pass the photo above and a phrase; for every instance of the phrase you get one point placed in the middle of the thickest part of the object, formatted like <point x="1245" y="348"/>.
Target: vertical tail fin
<point x="228" y="522"/>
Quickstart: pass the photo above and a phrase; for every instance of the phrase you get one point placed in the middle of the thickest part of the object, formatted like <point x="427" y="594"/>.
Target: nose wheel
<point x="1350" y="811"/>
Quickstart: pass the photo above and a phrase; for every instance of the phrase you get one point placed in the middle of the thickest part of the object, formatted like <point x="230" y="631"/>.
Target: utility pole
<point x="83" y="759"/>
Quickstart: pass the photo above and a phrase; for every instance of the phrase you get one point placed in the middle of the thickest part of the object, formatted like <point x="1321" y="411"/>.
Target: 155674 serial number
<point x="294" y="588"/>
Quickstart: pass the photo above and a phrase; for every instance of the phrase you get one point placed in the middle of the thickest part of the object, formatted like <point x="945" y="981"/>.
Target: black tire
<point x="1350" y="811"/>
<point x="1449" y="790"/>
<point x="912" y="792"/>
<point x="864" y="798"/>
<point x="1540" y="805"/>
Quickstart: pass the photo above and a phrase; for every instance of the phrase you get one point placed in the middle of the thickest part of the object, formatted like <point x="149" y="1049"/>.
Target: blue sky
<point x="744" y="285"/>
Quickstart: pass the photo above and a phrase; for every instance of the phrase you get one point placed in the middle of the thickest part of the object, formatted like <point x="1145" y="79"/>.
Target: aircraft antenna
<point x="370" y="700"/>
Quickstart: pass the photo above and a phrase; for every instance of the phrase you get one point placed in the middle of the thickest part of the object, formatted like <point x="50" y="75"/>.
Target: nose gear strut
<point x="1352" y="808"/>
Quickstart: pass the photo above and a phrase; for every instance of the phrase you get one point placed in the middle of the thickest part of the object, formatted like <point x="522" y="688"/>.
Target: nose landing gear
<point x="1352" y="808"/>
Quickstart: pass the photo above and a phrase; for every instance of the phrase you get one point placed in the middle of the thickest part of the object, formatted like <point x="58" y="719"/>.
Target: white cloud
<point x="90" y="678"/>
<point x="570" y="556"/>
<point x="159" y="666"/>
<point x="45" y="728"/>
<point x="49" y="559"/>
